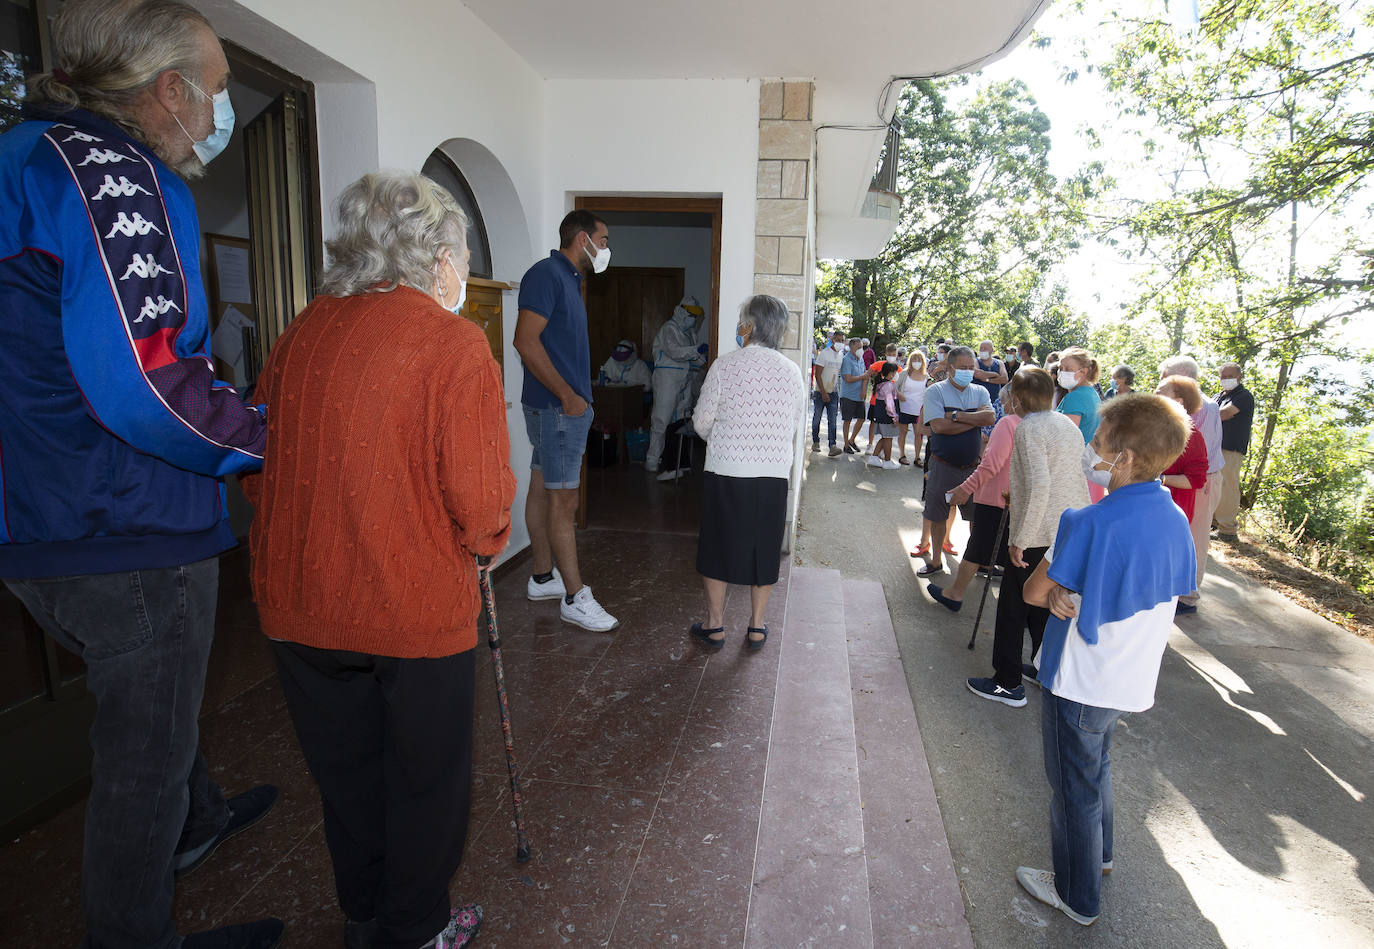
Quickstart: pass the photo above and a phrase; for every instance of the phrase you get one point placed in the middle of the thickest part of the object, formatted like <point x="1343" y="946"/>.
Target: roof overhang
<point x="852" y="52"/>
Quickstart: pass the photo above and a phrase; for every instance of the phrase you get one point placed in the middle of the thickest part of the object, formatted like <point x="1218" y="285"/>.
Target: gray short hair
<point x="393" y="227"/>
<point x="111" y="50"/>
<point x="767" y="317"/>
<point x="1179" y="366"/>
<point x="957" y="352"/>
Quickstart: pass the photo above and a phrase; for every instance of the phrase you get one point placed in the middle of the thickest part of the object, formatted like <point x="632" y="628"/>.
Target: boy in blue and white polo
<point x="1111" y="581"/>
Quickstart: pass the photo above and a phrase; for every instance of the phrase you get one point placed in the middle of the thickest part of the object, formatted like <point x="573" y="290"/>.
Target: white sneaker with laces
<point x="584" y="611"/>
<point x="889" y="464"/>
<point x="1040" y="884"/>
<point x="873" y="461"/>
<point x="553" y="590"/>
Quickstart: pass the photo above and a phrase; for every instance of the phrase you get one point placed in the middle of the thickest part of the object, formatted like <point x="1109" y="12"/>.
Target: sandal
<point x="949" y="549"/>
<point x="922" y="550"/>
<point x="703" y="636"/>
<point x="756" y="643"/>
<point x="902" y="460"/>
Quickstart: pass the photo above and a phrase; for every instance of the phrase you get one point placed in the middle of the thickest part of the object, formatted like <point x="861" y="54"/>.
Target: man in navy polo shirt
<point x="551" y="338"/>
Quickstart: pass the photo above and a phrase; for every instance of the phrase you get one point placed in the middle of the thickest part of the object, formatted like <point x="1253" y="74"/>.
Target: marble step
<point x="851" y="848"/>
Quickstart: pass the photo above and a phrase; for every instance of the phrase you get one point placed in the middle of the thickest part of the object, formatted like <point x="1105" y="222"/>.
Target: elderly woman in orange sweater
<point x="387" y="470"/>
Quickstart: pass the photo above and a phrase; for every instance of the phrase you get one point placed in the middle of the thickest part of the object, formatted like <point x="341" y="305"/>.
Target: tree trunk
<point x="1251" y="491"/>
<point x="860" y="284"/>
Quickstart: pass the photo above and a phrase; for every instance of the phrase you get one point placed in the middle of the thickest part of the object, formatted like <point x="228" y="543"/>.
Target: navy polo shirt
<point x="553" y="289"/>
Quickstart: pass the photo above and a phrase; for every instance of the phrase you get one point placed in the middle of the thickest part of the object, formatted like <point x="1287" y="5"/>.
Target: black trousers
<point x="1014" y="615"/>
<point x="389" y="741"/>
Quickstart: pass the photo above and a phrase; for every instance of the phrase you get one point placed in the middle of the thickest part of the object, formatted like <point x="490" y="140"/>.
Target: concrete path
<point x="1242" y="798"/>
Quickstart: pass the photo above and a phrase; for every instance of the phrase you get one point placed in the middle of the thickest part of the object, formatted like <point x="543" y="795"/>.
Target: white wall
<point x="675" y="138"/>
<point x="394" y="81"/>
<point x="685" y="247"/>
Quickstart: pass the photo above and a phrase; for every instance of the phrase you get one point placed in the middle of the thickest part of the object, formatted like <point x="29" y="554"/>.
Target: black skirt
<point x="742" y="524"/>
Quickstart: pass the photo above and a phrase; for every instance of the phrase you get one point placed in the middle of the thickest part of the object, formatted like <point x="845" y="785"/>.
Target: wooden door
<point x="629" y="303"/>
<point x="483" y="307"/>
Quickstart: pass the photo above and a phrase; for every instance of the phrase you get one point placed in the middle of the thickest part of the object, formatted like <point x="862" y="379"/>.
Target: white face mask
<point x="1090" y="460"/>
<point x="457" y="308"/>
<point x="985" y="354"/>
<point x="600" y="260"/>
<point x="1229" y="384"/>
<point x="224" y="125"/>
<point x="1068" y="380"/>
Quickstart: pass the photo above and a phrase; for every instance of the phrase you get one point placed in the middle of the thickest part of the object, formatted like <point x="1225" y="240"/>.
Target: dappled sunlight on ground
<point x="1305" y="906"/>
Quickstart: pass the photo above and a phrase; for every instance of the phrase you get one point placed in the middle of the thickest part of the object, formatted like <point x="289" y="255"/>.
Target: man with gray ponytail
<point x="116" y="437"/>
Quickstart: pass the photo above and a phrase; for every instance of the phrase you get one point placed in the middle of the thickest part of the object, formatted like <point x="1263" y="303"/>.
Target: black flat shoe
<point x="703" y="636"/>
<point x="756" y="643"/>
<point x="245" y="810"/>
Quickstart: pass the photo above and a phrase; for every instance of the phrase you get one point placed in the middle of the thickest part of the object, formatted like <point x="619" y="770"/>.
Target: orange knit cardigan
<point x="387" y="469"/>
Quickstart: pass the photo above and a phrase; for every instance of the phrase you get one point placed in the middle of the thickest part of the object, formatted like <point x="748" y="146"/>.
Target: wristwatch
<point x="955" y="416"/>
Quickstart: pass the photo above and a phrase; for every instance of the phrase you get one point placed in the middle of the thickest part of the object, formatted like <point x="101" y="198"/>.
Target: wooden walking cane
<point x="522" y="844"/>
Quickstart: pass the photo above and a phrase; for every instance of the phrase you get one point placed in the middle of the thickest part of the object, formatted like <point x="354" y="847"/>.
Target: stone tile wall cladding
<point x="783" y="214"/>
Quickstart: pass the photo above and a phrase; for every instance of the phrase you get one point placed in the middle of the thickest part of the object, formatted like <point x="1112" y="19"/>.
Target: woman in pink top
<point x="987" y="486"/>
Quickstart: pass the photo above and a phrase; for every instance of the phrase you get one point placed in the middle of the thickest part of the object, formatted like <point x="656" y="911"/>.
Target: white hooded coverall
<point x="675" y="359"/>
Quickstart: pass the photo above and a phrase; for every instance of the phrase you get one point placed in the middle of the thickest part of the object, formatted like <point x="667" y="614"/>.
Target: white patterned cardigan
<point x="751" y="404"/>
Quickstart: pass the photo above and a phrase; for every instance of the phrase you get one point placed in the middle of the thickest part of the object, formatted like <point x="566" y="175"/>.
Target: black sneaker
<point x="1185" y="609"/>
<point x="989" y="689"/>
<point x="245" y="810"/>
<point x="263" y="934"/>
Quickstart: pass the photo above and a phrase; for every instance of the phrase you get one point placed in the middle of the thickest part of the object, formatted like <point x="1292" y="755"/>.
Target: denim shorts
<point x="558" y="442"/>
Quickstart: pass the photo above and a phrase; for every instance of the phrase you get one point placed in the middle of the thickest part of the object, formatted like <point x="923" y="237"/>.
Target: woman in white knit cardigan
<point x="1046" y="480"/>
<point x="750" y="405"/>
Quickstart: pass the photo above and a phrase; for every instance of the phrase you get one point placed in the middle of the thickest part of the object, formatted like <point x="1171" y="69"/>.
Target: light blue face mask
<point x="963" y="377"/>
<point x="224" y="125"/>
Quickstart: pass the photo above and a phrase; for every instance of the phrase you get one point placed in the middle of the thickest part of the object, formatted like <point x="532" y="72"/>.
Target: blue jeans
<point x="1077" y="740"/>
<point x="558" y="443"/>
<point x="145" y="638"/>
<point x="831" y="409"/>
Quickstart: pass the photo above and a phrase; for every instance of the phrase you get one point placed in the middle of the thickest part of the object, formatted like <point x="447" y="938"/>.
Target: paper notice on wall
<point x="233" y="274"/>
<point x="227" y="342"/>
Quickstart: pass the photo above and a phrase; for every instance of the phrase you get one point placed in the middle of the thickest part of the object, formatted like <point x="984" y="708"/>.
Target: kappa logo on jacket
<point x="103" y="156"/>
<point x="155" y="309"/>
<point x="144" y="267"/>
<point x="125" y="188"/>
<point x="133" y="236"/>
<point x="129" y="226"/>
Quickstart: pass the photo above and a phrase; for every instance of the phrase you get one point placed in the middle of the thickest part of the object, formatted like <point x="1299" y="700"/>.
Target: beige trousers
<point x="1204" y="503"/>
<point x="1228" y="505"/>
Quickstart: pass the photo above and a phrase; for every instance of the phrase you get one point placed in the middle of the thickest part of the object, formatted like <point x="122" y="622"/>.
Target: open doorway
<point x="664" y="249"/>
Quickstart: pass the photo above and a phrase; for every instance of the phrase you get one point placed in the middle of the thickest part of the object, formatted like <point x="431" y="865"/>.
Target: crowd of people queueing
<point x="1060" y="481"/>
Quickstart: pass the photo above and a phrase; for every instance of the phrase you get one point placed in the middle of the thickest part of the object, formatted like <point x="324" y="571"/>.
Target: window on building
<point x="20" y="56"/>
<point x="442" y="169"/>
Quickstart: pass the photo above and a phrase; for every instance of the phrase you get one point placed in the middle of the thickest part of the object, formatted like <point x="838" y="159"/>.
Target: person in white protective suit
<point x="625" y="368"/>
<point x="678" y="353"/>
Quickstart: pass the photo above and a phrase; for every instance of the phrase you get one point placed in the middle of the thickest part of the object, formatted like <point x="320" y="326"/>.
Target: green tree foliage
<point x="982" y="221"/>
<point x="1257" y="128"/>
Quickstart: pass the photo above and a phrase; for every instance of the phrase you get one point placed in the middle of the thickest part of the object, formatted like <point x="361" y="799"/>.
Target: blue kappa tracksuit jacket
<point x="114" y="435"/>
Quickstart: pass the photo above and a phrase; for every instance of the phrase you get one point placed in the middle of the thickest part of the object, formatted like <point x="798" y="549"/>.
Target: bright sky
<point x="1098" y="279"/>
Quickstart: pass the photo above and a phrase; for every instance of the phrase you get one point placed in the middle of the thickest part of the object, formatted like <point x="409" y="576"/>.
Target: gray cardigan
<point x="1046" y="478"/>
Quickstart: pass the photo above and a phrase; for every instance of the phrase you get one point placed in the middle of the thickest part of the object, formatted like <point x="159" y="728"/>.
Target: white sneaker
<point x="873" y="461"/>
<point x="889" y="464"/>
<point x="584" y="611"/>
<point x="650" y="466"/>
<point x="553" y="590"/>
<point x="674" y="474"/>
<point x="1040" y="884"/>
